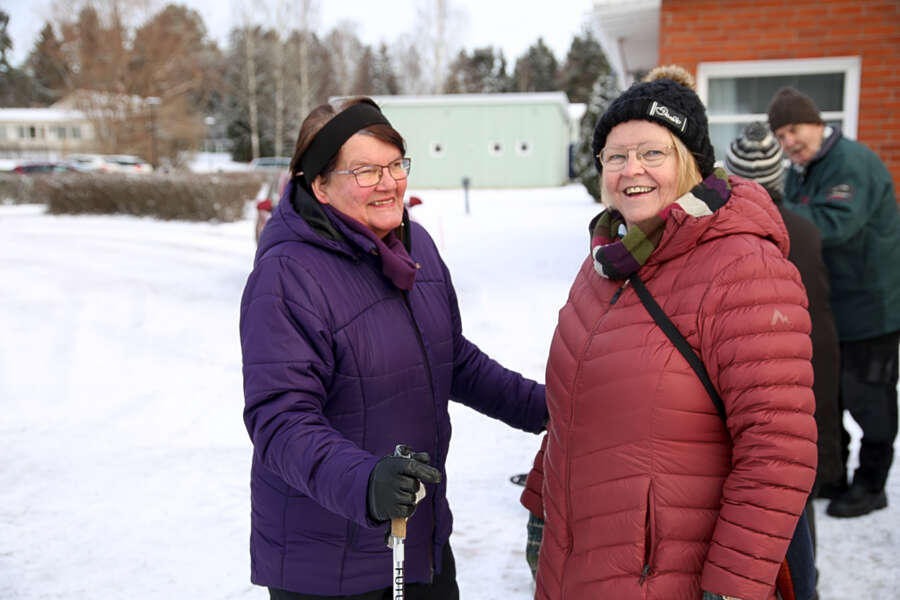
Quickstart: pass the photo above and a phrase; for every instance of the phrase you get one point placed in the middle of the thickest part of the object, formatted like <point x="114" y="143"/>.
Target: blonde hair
<point x="688" y="172"/>
<point x="686" y="177"/>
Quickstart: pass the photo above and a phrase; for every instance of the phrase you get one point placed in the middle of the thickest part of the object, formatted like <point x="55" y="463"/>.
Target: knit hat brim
<point x="789" y="107"/>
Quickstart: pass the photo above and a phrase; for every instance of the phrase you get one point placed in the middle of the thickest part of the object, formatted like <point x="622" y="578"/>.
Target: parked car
<point x="270" y="163"/>
<point x="92" y="163"/>
<point x="267" y="197"/>
<point x="130" y="164"/>
<point x="42" y="167"/>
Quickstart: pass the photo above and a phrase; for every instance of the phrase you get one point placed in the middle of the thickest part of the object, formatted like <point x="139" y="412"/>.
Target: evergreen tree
<point x="536" y="70"/>
<point x="16" y="88"/>
<point x="484" y="72"/>
<point x="6" y="43"/>
<point x="48" y="67"/>
<point x="384" y="80"/>
<point x="605" y="90"/>
<point x="362" y="73"/>
<point x="585" y="63"/>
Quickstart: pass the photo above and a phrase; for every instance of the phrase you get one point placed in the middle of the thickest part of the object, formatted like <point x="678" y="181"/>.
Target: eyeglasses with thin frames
<point x="650" y="154"/>
<point x="370" y="175"/>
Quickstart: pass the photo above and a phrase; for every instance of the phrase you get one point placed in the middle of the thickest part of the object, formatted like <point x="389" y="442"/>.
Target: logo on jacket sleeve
<point x="664" y="113"/>
<point x="779" y="318"/>
<point x="842" y="192"/>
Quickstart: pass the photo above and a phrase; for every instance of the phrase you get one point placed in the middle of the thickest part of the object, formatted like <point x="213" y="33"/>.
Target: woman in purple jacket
<point x="352" y="344"/>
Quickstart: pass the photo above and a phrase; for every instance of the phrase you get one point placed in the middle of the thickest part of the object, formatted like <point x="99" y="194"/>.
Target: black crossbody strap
<point x="668" y="327"/>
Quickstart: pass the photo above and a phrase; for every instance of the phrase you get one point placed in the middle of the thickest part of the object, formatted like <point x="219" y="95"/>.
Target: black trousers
<point x="443" y="587"/>
<point x="869" y="393"/>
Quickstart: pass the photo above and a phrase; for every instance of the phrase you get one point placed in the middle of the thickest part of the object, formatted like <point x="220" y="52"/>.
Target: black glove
<point x="394" y="482"/>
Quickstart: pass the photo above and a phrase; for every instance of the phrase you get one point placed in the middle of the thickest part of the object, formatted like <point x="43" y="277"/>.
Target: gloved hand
<point x="394" y="482"/>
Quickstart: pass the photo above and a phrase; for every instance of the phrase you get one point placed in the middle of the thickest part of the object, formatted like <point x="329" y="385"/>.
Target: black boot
<point x="832" y="489"/>
<point x="857" y="501"/>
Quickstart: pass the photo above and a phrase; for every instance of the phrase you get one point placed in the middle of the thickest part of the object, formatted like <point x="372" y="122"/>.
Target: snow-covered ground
<point x="213" y="162"/>
<point x="125" y="461"/>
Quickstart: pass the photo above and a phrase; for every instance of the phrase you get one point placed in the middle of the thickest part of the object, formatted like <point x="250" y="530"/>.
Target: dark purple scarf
<point x="396" y="264"/>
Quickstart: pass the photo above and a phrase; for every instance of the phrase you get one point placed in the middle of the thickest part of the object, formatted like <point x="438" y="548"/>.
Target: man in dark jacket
<point x="843" y="187"/>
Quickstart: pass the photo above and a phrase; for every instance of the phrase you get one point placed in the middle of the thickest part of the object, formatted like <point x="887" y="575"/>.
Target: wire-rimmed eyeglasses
<point x="649" y="154"/>
<point x="370" y="175"/>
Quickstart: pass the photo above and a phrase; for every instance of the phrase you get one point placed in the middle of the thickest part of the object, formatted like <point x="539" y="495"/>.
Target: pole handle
<point x="398" y="528"/>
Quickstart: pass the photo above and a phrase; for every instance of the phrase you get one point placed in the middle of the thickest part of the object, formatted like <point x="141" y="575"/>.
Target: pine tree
<point x="6" y="43"/>
<point x="48" y="67"/>
<point x="384" y="80"/>
<point x="585" y="63"/>
<point x="482" y="72"/>
<point x="605" y="90"/>
<point x="16" y="87"/>
<point x="536" y="70"/>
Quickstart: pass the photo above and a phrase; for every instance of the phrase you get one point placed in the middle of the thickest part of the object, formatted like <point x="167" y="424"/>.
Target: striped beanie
<point x="757" y="155"/>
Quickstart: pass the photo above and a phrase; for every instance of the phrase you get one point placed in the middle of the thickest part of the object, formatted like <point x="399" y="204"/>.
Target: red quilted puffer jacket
<point x="644" y="492"/>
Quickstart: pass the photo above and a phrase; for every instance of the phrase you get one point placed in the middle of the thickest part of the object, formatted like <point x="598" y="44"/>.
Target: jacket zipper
<point x="569" y="537"/>
<point x="649" y="537"/>
<point x="618" y="293"/>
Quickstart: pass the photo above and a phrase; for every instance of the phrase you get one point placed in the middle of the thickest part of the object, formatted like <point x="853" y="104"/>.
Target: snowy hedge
<point x="184" y="196"/>
<point x="18" y="189"/>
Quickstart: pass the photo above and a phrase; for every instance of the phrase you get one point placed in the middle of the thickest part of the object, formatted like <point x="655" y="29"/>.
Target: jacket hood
<point x="748" y="210"/>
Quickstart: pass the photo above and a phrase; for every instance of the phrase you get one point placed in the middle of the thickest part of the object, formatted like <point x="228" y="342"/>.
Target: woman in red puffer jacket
<point x="645" y="492"/>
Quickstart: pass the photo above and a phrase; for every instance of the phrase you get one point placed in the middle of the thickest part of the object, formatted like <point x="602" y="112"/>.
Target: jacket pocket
<point x="649" y="535"/>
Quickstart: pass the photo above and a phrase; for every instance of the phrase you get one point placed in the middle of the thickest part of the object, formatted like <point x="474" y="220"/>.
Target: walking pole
<point x="398" y="534"/>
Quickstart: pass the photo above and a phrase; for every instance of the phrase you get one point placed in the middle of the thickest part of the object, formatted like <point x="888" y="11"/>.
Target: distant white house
<point x="67" y="126"/>
<point x="44" y="132"/>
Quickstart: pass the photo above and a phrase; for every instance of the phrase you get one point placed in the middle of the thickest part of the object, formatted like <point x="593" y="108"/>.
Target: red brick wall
<point x="693" y="31"/>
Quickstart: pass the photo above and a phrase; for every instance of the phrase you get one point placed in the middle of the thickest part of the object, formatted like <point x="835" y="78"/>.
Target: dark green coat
<point x="848" y="193"/>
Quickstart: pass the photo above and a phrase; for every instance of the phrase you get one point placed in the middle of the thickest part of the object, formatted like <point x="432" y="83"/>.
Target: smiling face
<point x="380" y="208"/>
<point x="637" y="191"/>
<point x="801" y="141"/>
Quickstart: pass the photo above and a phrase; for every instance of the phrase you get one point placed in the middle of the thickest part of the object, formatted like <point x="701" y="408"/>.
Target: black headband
<point x="332" y="136"/>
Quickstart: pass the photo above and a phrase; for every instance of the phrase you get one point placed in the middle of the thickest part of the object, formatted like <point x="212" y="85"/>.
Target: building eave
<point x="628" y="30"/>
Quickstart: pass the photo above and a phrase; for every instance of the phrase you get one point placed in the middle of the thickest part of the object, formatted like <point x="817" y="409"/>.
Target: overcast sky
<point x="510" y="24"/>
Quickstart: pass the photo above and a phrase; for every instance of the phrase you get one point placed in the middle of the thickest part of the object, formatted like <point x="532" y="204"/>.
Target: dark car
<point x="43" y="167"/>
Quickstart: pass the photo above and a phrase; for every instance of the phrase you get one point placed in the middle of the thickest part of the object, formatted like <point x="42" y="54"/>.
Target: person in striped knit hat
<point x="757" y="155"/>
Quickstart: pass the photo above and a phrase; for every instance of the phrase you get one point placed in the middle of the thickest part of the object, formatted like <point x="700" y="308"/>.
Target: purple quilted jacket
<point x="340" y="366"/>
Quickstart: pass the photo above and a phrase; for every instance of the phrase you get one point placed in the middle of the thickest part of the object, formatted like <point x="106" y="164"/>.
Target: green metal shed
<point x="496" y="140"/>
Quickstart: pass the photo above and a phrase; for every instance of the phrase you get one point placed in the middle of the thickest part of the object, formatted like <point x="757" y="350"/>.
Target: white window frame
<point x="850" y="66"/>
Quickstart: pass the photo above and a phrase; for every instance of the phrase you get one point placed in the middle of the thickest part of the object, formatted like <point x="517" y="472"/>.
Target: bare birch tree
<point x="436" y="24"/>
<point x="252" y="100"/>
<point x="308" y="10"/>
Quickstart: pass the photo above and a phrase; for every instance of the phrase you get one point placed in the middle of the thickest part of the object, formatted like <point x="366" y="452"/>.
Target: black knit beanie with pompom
<point x="667" y="103"/>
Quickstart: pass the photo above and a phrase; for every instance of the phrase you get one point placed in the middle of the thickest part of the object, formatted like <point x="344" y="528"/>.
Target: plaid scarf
<point x="619" y="250"/>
